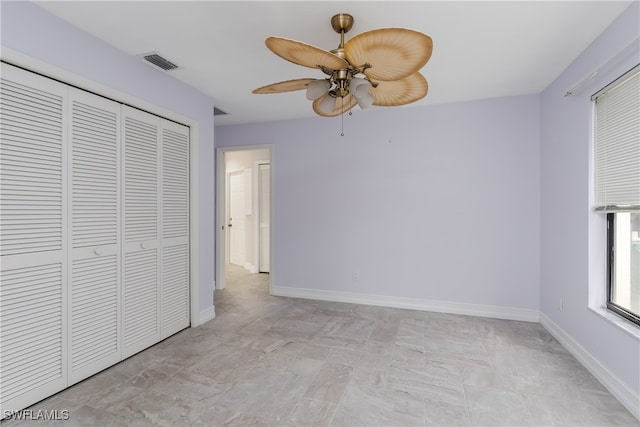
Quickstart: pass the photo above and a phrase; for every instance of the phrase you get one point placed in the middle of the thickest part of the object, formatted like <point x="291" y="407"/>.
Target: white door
<point x="33" y="213"/>
<point x="141" y="204"/>
<point x="264" y="218"/>
<point x="235" y="222"/>
<point x="156" y="229"/>
<point x="94" y="283"/>
<point x="174" y="292"/>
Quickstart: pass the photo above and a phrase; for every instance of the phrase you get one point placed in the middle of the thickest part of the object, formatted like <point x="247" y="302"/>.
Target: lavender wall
<point x="438" y="203"/>
<point x="39" y="35"/>
<point x="573" y="236"/>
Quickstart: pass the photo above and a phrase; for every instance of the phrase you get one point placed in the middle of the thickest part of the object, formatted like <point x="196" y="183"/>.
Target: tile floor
<point x="290" y="362"/>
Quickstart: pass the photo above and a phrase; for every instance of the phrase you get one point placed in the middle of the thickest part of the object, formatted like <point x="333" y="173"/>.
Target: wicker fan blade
<point x="394" y="53"/>
<point x="400" y="92"/>
<point x="339" y="108"/>
<point x="304" y="54"/>
<point x="285" y="86"/>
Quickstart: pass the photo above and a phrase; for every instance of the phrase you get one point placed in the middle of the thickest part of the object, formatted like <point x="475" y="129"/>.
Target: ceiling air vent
<point x="161" y="62"/>
<point x="218" y="112"/>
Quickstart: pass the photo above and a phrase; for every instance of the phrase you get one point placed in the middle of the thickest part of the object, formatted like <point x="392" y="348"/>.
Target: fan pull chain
<point x="342" y="118"/>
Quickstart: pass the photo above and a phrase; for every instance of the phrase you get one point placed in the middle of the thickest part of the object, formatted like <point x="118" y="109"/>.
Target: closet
<point x="94" y="234"/>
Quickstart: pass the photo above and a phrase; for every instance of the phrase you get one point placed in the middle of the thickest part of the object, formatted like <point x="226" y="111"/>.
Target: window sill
<point x="619" y="322"/>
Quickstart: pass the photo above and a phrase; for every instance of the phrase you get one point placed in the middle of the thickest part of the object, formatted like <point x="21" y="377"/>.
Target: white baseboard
<point x="629" y="398"/>
<point x="497" y="312"/>
<point x="206" y="315"/>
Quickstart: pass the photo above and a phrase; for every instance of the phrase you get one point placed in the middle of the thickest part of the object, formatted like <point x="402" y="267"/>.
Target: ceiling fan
<point x="378" y="67"/>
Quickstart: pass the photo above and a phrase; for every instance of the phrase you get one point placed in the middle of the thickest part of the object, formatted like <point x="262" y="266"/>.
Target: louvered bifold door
<point x="33" y="213"/>
<point x="141" y="206"/>
<point x="94" y="224"/>
<point x="175" y="229"/>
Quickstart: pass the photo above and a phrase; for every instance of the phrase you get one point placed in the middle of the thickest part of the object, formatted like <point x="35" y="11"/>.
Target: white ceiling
<point x="482" y="49"/>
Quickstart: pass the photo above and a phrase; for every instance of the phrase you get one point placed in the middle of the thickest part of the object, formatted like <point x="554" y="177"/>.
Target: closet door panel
<point x="141" y="296"/>
<point x="141" y="204"/>
<point x="175" y="228"/>
<point x="94" y="316"/>
<point x="175" y="289"/>
<point x="32" y="334"/>
<point x="33" y="297"/>
<point x="175" y="181"/>
<point x="94" y="224"/>
<point x="32" y="160"/>
<point x="140" y="301"/>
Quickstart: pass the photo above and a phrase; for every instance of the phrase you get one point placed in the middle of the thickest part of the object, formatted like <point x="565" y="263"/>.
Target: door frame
<point x="256" y="220"/>
<point x="221" y="212"/>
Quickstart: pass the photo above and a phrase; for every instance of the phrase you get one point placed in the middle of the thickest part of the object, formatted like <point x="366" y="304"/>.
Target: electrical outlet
<point x="561" y="305"/>
<point x="355" y="276"/>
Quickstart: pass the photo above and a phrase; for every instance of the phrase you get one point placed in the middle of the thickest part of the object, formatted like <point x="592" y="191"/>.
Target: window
<point x="624" y="264"/>
<point x="617" y="188"/>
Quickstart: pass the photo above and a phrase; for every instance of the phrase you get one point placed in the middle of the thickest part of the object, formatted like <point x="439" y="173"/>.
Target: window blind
<point x="617" y="144"/>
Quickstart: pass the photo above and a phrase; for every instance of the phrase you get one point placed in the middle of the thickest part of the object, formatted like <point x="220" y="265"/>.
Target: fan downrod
<point x="341" y="24"/>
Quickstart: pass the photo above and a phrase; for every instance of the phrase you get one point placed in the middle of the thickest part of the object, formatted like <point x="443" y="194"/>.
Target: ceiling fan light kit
<point x="378" y="67"/>
<point x="317" y="88"/>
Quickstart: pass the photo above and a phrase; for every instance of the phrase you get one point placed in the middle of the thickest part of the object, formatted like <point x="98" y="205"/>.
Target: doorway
<point x="244" y="213"/>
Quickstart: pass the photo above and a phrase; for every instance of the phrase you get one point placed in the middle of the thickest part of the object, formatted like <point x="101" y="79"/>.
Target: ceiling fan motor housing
<point x="341" y="79"/>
